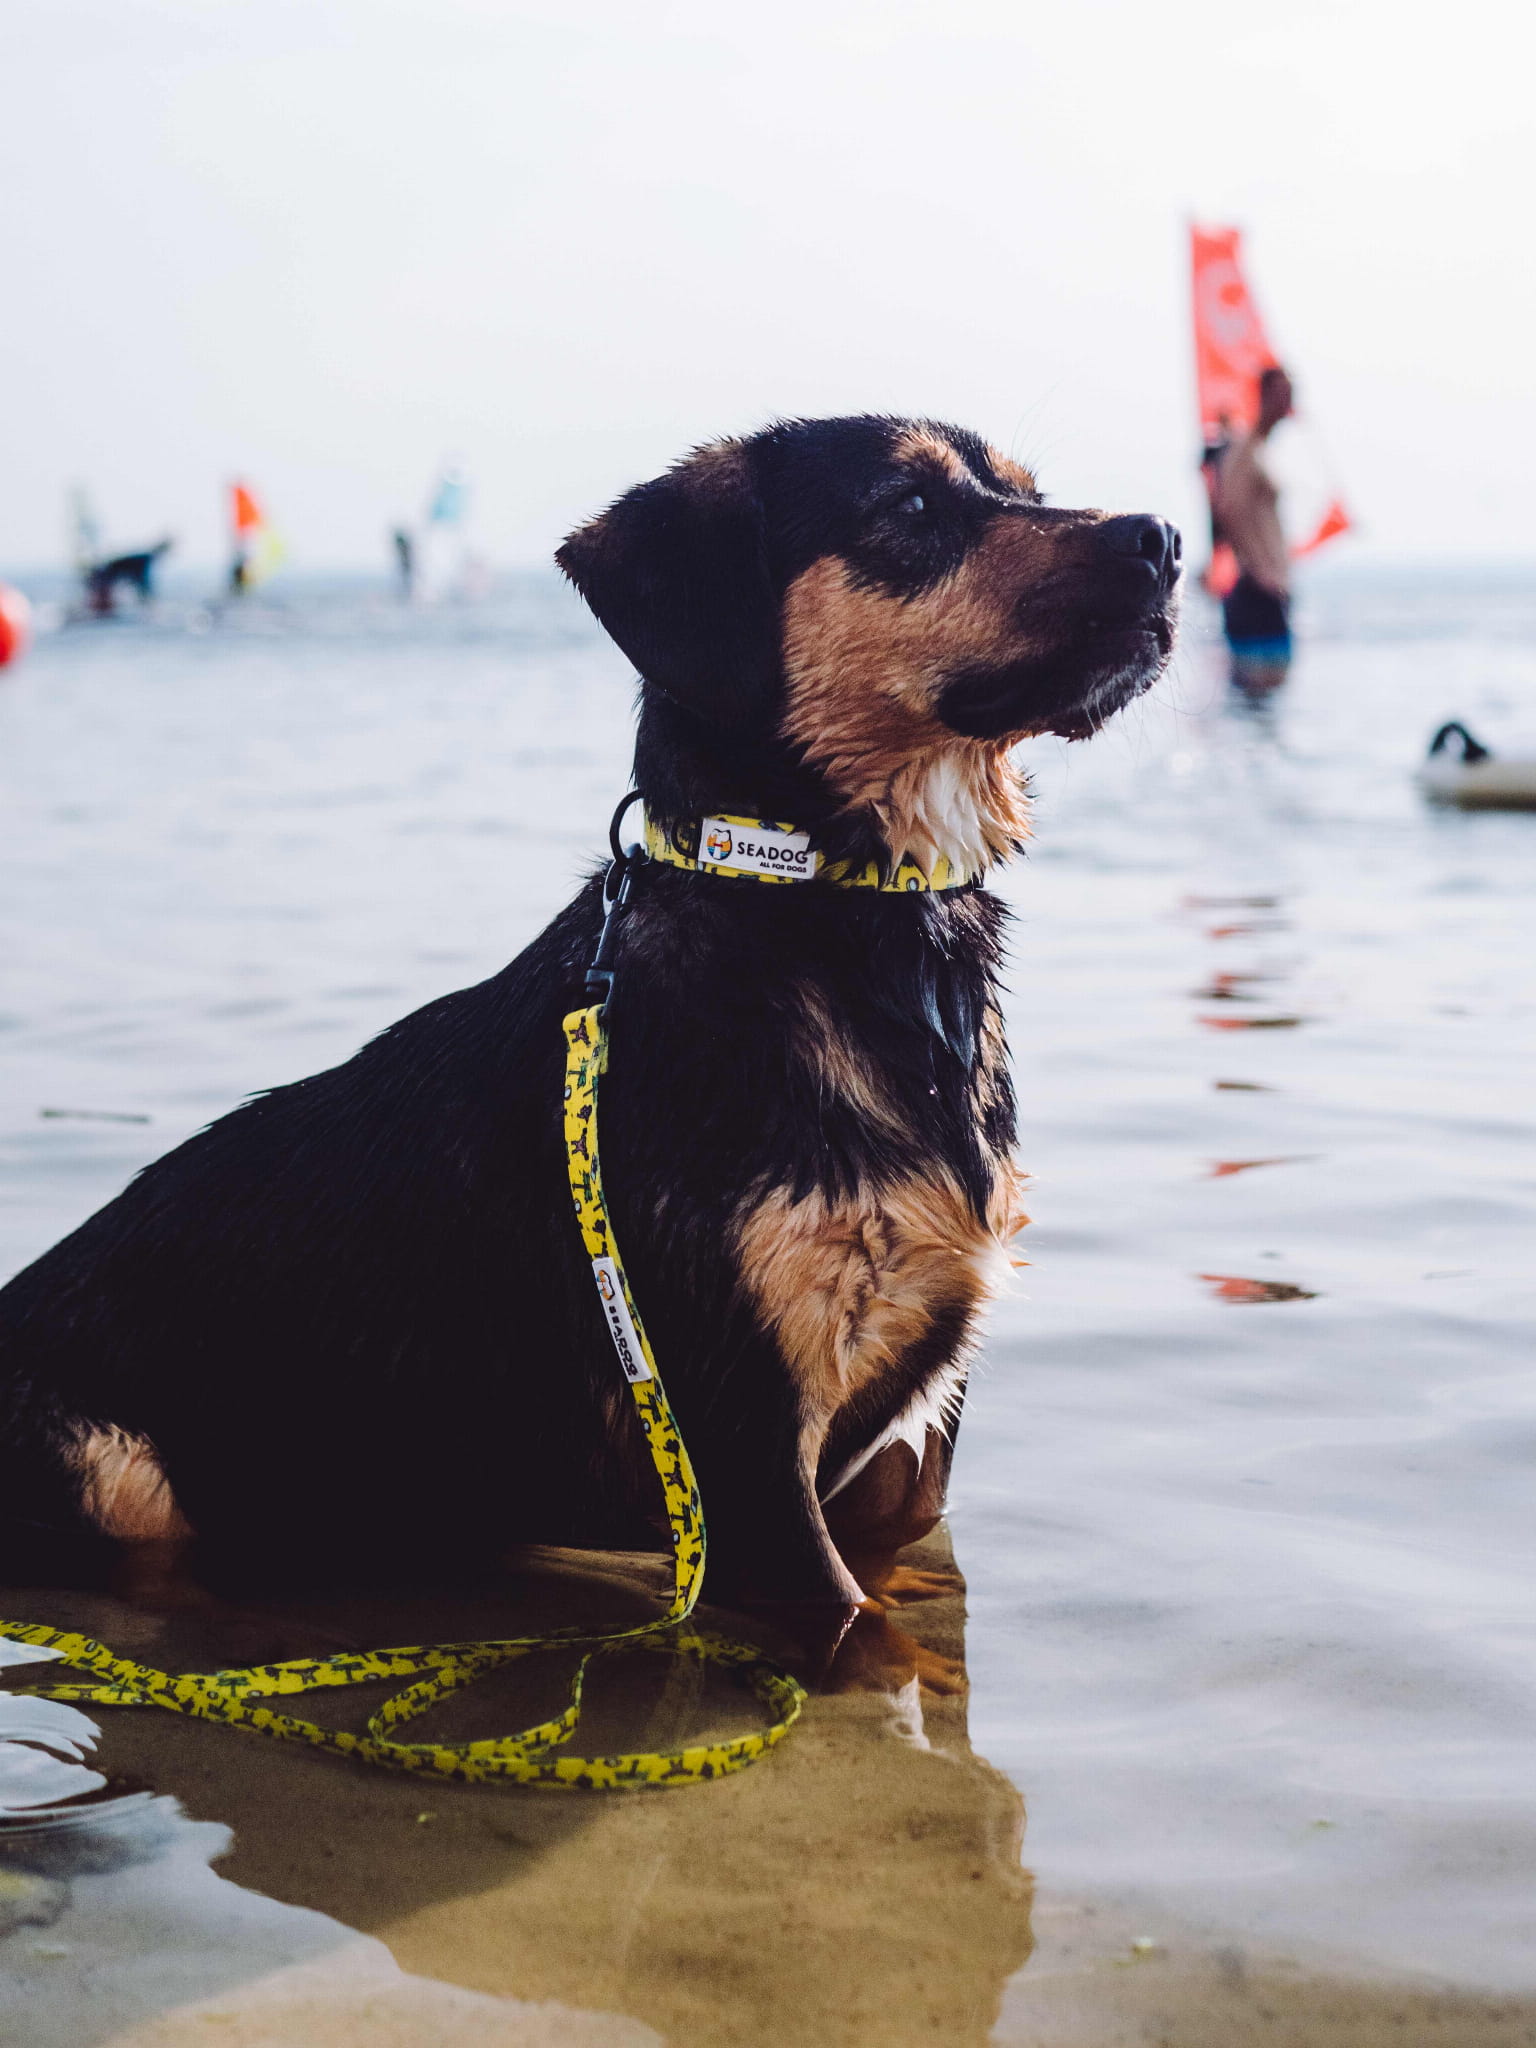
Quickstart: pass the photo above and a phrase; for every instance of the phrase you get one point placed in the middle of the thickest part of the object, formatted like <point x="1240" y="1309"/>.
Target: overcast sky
<point x="326" y="242"/>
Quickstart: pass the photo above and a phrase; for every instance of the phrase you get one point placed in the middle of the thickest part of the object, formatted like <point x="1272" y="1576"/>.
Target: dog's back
<point x="307" y="1310"/>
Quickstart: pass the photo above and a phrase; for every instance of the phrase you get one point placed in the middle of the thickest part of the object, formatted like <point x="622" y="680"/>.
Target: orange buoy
<point x="15" y="624"/>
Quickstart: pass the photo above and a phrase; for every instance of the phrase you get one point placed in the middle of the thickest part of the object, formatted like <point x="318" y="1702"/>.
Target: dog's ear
<point x="677" y="573"/>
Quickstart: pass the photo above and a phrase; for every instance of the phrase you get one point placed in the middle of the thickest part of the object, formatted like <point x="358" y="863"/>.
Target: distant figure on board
<point x="1246" y="517"/>
<point x="255" y="548"/>
<point x="123" y="572"/>
<point x="405" y="562"/>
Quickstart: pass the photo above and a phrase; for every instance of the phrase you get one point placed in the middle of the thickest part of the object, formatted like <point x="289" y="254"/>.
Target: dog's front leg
<point x="770" y="1553"/>
<point x="896" y="1500"/>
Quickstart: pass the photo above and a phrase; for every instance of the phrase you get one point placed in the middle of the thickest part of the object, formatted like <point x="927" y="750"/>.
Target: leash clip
<point x="617" y="885"/>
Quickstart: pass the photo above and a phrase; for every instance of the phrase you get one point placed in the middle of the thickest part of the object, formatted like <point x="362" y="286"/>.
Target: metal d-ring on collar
<point x="617" y="885"/>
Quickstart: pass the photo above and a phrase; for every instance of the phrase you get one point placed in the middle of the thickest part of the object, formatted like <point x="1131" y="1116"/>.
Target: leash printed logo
<point x="758" y="849"/>
<point x="621" y="1328"/>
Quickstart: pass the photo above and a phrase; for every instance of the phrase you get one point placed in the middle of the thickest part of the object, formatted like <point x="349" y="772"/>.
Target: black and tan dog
<point x="350" y="1327"/>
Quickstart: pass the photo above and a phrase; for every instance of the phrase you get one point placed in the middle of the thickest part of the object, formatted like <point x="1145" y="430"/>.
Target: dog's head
<point x="884" y="597"/>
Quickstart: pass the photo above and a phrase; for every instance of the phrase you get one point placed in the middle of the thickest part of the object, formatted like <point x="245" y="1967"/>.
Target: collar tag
<point x="746" y="847"/>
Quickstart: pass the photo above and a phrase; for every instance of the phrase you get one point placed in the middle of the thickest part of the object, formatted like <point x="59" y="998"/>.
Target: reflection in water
<point x="1251" y="1023"/>
<point x="115" y="1930"/>
<point x="97" y="1116"/>
<point x="1230" y="985"/>
<point x="1229" y="988"/>
<point x="1255" y="697"/>
<point x="861" y="1884"/>
<point x="1229" y="1287"/>
<point x="1222" y="1169"/>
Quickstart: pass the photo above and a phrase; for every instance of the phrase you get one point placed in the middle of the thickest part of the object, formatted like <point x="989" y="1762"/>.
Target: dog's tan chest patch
<point x="849" y="1286"/>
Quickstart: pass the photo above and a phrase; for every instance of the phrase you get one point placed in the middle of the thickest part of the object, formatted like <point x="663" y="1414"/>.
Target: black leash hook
<point x="617" y="885"/>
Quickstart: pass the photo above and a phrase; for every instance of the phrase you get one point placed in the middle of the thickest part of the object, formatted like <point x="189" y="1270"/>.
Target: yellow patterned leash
<point x="536" y="1756"/>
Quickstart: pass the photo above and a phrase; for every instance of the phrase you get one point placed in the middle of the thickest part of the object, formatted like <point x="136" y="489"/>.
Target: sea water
<point x="1244" y="1494"/>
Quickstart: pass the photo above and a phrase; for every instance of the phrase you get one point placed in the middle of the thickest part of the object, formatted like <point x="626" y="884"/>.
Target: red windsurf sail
<point x="1335" y="520"/>
<point x="1232" y="352"/>
<point x="246" y="515"/>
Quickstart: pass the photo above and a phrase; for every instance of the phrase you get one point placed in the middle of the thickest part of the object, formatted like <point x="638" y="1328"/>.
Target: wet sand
<point x="862" y="1885"/>
<point x="1090" y="1989"/>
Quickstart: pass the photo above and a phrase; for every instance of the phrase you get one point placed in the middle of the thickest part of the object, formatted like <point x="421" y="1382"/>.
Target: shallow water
<point x="1244" y="1492"/>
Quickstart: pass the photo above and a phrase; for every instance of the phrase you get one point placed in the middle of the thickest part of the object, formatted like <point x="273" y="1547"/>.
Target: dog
<point x="349" y="1329"/>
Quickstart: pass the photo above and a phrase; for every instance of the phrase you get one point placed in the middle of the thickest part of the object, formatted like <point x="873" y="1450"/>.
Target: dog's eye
<point x="912" y="505"/>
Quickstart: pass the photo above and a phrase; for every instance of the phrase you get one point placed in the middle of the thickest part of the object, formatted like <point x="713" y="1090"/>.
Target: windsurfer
<point x="103" y="580"/>
<point x="1246" y="514"/>
<point x="405" y="561"/>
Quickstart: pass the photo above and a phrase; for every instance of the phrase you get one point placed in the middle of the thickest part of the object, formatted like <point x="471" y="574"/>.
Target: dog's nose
<point x="1143" y="538"/>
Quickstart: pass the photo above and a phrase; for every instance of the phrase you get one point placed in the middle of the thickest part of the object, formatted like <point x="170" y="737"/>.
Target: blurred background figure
<point x="84" y="535"/>
<point x="405" y="562"/>
<point x="102" y="575"/>
<point x="1243" y="394"/>
<point x="1217" y="441"/>
<point x="434" y="561"/>
<point x="442" y="567"/>
<point x="1256" y="611"/>
<point x="255" y="547"/>
<point x="135" y="572"/>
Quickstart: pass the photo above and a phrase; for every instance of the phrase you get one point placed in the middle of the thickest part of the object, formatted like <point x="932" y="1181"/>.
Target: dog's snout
<point x="1138" y="536"/>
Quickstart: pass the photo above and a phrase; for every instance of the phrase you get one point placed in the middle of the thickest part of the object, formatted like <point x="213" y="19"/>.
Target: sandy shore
<point x="863" y="1885"/>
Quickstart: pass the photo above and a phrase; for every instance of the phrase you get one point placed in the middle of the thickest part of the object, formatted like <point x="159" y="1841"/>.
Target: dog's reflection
<point x="878" y="1654"/>
<point x="861" y="1884"/>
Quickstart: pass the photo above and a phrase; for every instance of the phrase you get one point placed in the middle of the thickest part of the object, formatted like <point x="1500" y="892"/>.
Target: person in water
<point x="1246" y="514"/>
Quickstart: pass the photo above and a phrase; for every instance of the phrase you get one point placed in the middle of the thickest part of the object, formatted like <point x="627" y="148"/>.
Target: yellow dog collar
<point x="767" y="850"/>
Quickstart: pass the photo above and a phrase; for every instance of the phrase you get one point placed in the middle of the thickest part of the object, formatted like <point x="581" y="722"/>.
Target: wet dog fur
<point x="349" y="1329"/>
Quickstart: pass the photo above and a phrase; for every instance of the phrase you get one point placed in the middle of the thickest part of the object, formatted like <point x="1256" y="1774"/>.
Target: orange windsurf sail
<point x="258" y="548"/>
<point x="1232" y="352"/>
<point x="1335" y="520"/>
<point x="246" y="514"/>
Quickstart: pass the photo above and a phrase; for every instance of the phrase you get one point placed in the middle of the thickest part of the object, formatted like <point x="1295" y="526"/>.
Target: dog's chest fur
<point x="848" y="1117"/>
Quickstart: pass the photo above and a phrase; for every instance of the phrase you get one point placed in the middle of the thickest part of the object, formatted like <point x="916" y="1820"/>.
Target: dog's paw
<point x="940" y="1674"/>
<point x="876" y="1656"/>
<point x="902" y="1585"/>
